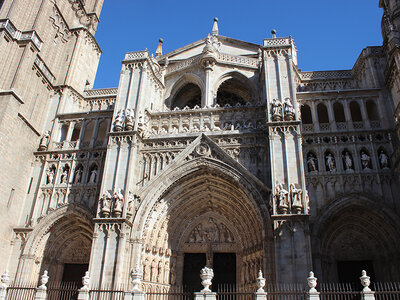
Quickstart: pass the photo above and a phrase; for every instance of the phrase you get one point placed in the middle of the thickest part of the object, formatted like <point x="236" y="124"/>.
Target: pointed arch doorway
<point x="207" y="216"/>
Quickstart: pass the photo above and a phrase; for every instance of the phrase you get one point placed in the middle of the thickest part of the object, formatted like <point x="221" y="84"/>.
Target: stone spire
<point x="159" y="48"/>
<point x="215" y="27"/>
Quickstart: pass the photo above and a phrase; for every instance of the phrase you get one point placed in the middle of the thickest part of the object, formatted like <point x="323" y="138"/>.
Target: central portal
<point x="223" y="265"/>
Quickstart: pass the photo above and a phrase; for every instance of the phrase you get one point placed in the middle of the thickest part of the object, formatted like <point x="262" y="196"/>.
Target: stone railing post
<point x="5" y="278"/>
<point x="84" y="290"/>
<point x="136" y="293"/>
<point x="366" y="293"/>
<point x="260" y="294"/>
<point x="41" y="291"/>
<point x="206" y="275"/>
<point x="312" y="294"/>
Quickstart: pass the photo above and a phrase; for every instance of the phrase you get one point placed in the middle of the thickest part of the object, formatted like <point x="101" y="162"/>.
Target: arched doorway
<point x="61" y="244"/>
<point x="207" y="217"/>
<point x="353" y="235"/>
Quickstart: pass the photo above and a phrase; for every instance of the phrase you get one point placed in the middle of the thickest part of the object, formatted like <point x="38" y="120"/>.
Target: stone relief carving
<point x="282" y="110"/>
<point x="210" y="231"/>
<point x="291" y="200"/>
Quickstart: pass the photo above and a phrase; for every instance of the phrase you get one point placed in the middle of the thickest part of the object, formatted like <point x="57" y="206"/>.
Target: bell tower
<point x="48" y="50"/>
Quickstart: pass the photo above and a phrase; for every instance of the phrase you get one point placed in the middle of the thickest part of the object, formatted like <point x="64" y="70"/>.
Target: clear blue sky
<point x="329" y="34"/>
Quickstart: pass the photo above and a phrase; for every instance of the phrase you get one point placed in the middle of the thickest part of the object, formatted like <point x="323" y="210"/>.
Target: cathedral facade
<point x="220" y="153"/>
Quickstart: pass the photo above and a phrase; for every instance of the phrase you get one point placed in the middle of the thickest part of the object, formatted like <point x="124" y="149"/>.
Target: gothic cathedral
<point x="220" y="153"/>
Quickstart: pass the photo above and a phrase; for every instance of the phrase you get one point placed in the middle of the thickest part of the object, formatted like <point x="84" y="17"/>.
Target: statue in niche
<point x="383" y="160"/>
<point x="172" y="277"/>
<point x="365" y="160"/>
<point x="44" y="141"/>
<point x="147" y="271"/>
<point x="106" y="204"/>
<point x="64" y="175"/>
<point x="288" y="109"/>
<point x="312" y="163"/>
<point x="50" y="175"/>
<point x="160" y="272"/>
<point x="78" y="174"/>
<point x="282" y="195"/>
<point x="276" y="110"/>
<point x="348" y="161"/>
<point x="295" y="194"/>
<point x="330" y="162"/>
<point x="118" y="203"/>
<point x="93" y="175"/>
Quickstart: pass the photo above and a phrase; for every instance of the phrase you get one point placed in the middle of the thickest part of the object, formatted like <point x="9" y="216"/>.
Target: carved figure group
<point x="124" y="119"/>
<point x="280" y="110"/>
<point x="284" y="197"/>
<point x="210" y="232"/>
<point x="112" y="205"/>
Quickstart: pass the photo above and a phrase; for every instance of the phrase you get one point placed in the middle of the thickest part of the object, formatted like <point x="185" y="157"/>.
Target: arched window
<point x="372" y="110"/>
<point x="355" y="112"/>
<point x="306" y="116"/>
<point x="233" y="91"/>
<point x="88" y="132"/>
<point x="102" y="132"/>
<point x="338" y="112"/>
<point x="63" y="132"/>
<point x="76" y="132"/>
<point x="189" y="95"/>
<point x="322" y="113"/>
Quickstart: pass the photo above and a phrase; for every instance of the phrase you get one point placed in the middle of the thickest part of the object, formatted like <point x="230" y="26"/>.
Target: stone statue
<point x="50" y="176"/>
<point x="330" y="162"/>
<point x="64" y="175"/>
<point x="119" y="120"/>
<point x="78" y="175"/>
<point x="312" y="163"/>
<point x="282" y="195"/>
<point x="44" y="141"/>
<point x="288" y="109"/>
<point x="129" y="119"/>
<point x="118" y="203"/>
<point x="106" y="204"/>
<point x="365" y="160"/>
<point x="93" y="175"/>
<point x="348" y="161"/>
<point x="383" y="160"/>
<point x="295" y="195"/>
<point x="276" y="110"/>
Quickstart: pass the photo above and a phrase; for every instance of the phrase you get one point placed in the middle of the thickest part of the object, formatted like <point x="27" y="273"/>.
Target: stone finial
<point x="5" y="278"/>
<point x="43" y="281"/>
<point x="136" y="279"/>
<point x="206" y="275"/>
<point x="159" y="48"/>
<point x="85" y="281"/>
<point x="260" y="282"/>
<point x="215" y="27"/>
<point x="312" y="282"/>
<point x="273" y="31"/>
<point x="365" y="281"/>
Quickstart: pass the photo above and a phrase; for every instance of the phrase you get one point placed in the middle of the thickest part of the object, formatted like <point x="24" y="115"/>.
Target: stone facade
<point x="221" y="146"/>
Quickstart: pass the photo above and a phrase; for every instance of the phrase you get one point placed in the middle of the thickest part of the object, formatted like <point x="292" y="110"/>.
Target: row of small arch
<point x="339" y="113"/>
<point x="78" y="177"/>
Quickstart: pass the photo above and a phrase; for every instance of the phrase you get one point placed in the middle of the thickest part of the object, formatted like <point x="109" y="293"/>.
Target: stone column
<point x="364" y="113"/>
<point x="208" y="99"/>
<point x="314" y="115"/>
<point x="94" y="134"/>
<point x="331" y="115"/>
